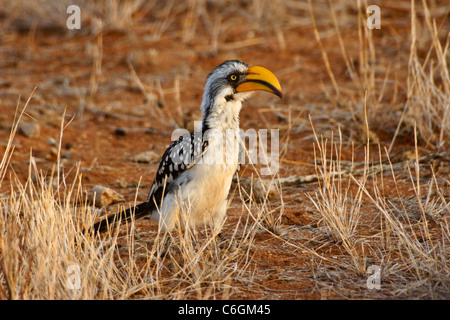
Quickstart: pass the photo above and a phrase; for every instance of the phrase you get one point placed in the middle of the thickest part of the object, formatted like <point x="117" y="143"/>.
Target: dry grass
<point x="46" y="255"/>
<point x="415" y="231"/>
<point x="43" y="246"/>
<point x="428" y="105"/>
<point x="363" y="182"/>
<point x="339" y="208"/>
<point x="411" y="245"/>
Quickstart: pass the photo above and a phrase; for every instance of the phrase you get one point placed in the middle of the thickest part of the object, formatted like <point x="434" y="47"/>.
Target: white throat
<point x="224" y="115"/>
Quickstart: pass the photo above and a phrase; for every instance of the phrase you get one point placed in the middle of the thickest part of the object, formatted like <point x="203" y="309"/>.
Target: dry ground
<point x="364" y="161"/>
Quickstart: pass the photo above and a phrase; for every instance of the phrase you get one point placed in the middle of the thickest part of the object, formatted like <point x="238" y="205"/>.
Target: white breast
<point x="201" y="198"/>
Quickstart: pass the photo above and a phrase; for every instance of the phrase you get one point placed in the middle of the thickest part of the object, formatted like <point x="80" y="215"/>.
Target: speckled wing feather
<point x="179" y="157"/>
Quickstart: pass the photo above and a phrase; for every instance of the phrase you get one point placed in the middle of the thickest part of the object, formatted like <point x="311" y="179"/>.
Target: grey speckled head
<point x="218" y="85"/>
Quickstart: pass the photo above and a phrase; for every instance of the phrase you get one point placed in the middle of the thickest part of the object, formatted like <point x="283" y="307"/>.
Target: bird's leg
<point x="165" y="247"/>
<point x="167" y="243"/>
<point x="222" y="237"/>
<point x="225" y="243"/>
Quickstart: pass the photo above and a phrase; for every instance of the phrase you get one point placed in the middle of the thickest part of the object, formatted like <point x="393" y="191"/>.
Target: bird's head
<point x="231" y="83"/>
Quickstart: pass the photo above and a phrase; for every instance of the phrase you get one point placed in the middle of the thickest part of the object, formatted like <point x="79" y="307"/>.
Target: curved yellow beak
<point x="259" y="78"/>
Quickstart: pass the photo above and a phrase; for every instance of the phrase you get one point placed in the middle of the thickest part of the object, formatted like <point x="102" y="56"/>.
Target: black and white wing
<point x="179" y="157"/>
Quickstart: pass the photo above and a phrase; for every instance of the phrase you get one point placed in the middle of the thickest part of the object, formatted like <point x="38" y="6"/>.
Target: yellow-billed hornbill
<point x="196" y="171"/>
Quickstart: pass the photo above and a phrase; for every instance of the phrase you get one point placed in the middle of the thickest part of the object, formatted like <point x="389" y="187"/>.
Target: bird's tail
<point x="139" y="211"/>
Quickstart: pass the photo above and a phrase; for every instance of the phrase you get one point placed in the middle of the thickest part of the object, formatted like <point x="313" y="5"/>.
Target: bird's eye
<point x="232" y="77"/>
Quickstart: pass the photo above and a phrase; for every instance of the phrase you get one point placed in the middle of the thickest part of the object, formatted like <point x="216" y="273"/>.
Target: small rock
<point x="122" y="183"/>
<point x="30" y="129"/>
<point x="52" y="142"/>
<point x="146" y="157"/>
<point x="371" y="135"/>
<point x="66" y="155"/>
<point x="52" y="154"/>
<point x="101" y="196"/>
<point x="261" y="189"/>
<point x="121" y="132"/>
<point x="51" y="117"/>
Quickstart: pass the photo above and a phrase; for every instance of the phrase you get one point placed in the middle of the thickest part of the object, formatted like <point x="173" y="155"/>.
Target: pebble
<point x="146" y="157"/>
<point x="52" y="142"/>
<point x="102" y="196"/>
<point x="262" y="190"/>
<point x="30" y="129"/>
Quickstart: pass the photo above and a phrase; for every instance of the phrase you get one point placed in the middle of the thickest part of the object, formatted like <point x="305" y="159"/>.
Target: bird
<point x="196" y="171"/>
